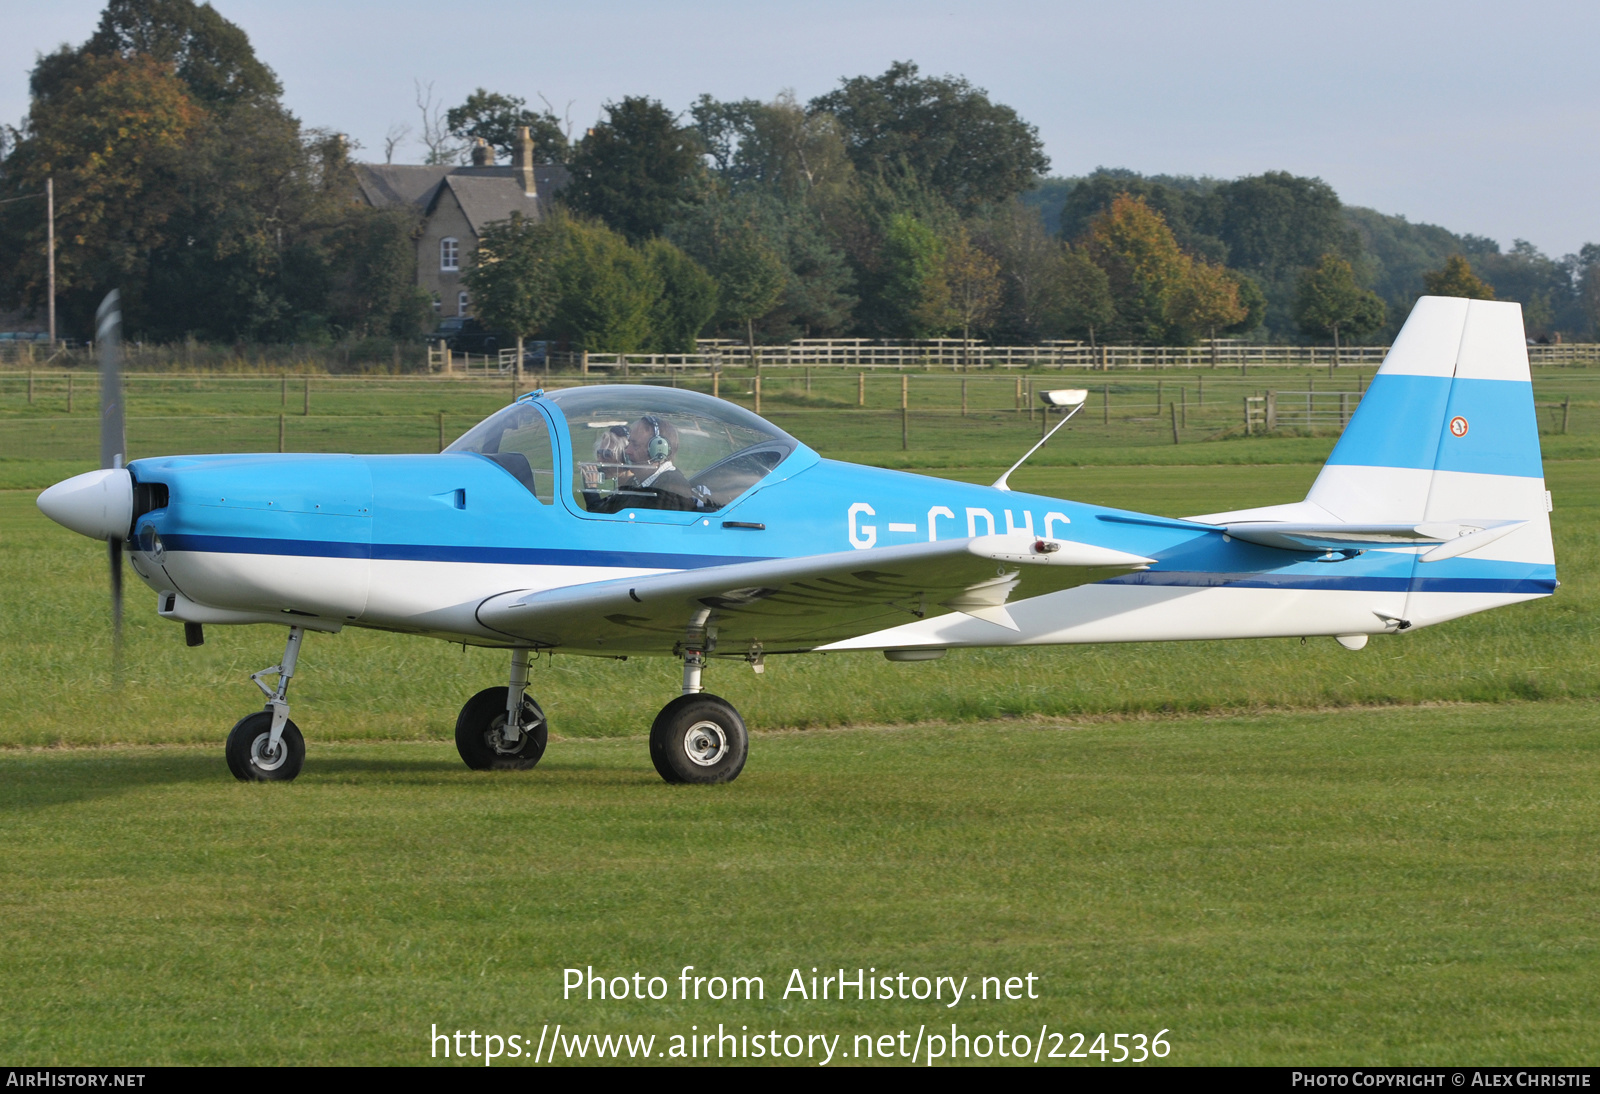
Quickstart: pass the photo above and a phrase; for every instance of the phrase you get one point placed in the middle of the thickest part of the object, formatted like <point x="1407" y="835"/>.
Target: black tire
<point x="479" y="728"/>
<point x="699" y="739"/>
<point x="247" y="754"/>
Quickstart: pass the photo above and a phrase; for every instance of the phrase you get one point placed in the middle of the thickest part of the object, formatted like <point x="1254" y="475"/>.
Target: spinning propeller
<point x="99" y="504"/>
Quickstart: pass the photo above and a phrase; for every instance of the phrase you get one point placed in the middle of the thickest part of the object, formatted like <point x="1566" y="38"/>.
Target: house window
<point x="461" y="303"/>
<point x="449" y="254"/>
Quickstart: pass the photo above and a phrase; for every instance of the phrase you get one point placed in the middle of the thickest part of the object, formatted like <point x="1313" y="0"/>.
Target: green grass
<point x="1282" y="853"/>
<point x="1358" y="887"/>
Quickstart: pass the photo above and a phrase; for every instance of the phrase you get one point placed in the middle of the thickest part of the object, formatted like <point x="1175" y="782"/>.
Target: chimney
<point x="525" y="161"/>
<point x="482" y="156"/>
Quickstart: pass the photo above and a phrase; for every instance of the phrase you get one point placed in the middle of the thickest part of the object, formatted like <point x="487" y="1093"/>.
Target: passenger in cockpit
<point x="648" y="479"/>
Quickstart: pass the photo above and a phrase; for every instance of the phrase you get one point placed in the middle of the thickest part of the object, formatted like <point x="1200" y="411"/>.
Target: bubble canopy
<point x="721" y="449"/>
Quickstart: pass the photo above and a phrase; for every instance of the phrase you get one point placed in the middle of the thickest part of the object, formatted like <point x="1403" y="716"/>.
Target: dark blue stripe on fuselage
<point x="543" y="556"/>
<point x="428" y="552"/>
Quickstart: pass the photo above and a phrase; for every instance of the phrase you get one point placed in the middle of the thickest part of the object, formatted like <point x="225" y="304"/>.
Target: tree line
<point x="901" y="205"/>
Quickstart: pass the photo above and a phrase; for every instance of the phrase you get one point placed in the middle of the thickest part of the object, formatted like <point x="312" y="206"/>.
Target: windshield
<point x="664" y="448"/>
<point x="518" y="439"/>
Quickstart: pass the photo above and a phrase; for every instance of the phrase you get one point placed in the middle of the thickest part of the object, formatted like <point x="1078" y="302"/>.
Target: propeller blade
<point x="108" y="339"/>
<point x="115" y="552"/>
<point x="113" y="444"/>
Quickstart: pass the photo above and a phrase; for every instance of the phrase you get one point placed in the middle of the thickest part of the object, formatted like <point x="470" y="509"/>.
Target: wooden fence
<point x="945" y="356"/>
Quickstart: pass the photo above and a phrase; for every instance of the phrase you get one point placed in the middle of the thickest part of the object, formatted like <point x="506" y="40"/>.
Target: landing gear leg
<point x="266" y="746"/>
<point x="698" y="737"/>
<point x="502" y="729"/>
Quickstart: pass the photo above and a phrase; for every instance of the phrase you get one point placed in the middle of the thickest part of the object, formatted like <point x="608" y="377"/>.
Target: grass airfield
<point x="1280" y="853"/>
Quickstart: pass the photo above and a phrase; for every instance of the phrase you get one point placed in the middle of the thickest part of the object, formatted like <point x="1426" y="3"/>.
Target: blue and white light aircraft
<point x="623" y="520"/>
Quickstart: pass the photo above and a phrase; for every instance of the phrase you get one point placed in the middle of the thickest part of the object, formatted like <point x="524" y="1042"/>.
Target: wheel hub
<point x="705" y="743"/>
<point x="265" y="757"/>
<point x="495" y="736"/>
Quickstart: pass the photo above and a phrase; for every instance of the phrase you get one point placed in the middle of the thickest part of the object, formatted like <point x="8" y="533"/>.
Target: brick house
<point x="455" y="203"/>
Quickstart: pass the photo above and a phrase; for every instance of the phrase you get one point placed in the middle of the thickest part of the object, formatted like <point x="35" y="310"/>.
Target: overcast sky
<point x="1482" y="117"/>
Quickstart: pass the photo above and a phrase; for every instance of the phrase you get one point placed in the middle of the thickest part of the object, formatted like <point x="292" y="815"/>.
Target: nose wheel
<point x="253" y="755"/>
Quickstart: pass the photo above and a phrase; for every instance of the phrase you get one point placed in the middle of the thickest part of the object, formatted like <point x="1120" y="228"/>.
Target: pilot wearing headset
<point x="650" y="480"/>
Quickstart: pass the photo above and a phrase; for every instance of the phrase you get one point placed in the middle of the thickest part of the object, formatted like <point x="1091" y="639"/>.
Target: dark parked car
<point x="464" y="334"/>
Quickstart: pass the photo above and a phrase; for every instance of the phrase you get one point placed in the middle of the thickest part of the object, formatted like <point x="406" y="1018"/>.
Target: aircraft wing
<point x="792" y="604"/>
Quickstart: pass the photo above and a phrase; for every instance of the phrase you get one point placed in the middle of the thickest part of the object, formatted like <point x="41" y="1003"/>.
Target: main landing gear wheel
<point x="699" y="738"/>
<point x="480" y="733"/>
<point x="251" y="756"/>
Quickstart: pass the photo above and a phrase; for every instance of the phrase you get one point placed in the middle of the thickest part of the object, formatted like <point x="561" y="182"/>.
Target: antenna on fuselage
<point x="1073" y="397"/>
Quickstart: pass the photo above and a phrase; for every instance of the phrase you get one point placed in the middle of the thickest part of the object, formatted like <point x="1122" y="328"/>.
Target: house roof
<point x="485" y="194"/>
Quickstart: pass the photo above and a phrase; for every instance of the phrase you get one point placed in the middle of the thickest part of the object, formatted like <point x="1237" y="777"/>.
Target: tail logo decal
<point x="1458" y="426"/>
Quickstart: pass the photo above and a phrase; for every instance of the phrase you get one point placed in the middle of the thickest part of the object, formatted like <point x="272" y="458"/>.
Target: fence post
<point x="716" y="384"/>
<point x="1566" y="408"/>
<point x="905" y="412"/>
<point x="1247" y="415"/>
<point x="1018" y="399"/>
<point x="1173" y="409"/>
<point x="583" y="358"/>
<point x="861" y="389"/>
<point x="280" y="432"/>
<point x="1272" y="411"/>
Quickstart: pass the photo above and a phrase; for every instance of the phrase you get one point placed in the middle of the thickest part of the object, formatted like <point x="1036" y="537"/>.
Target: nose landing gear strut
<point x="266" y="746"/>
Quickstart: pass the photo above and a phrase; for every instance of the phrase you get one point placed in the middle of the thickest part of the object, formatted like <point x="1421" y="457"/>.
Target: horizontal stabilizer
<point x="1457" y="537"/>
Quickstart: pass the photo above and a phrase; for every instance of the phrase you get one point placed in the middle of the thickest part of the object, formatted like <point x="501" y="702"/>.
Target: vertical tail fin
<point x="1446" y="434"/>
<point x="1448" y="428"/>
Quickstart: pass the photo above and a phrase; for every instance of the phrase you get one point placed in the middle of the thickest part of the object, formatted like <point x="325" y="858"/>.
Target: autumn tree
<point x="1207" y="301"/>
<point x="1330" y="302"/>
<point x="1143" y="265"/>
<point x="116" y="139"/>
<point x="1456" y="279"/>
